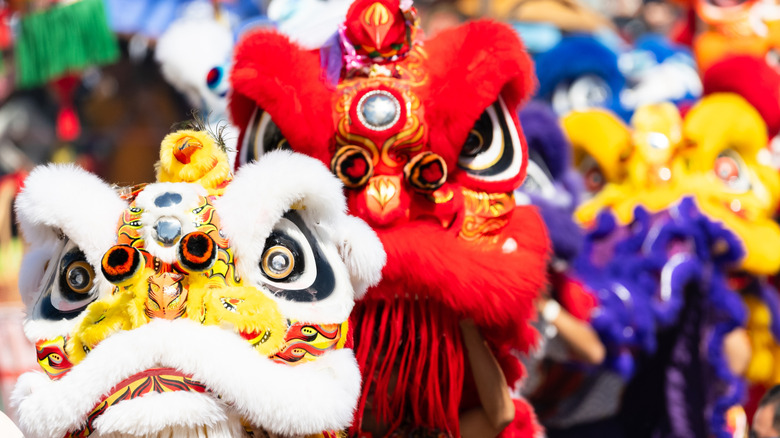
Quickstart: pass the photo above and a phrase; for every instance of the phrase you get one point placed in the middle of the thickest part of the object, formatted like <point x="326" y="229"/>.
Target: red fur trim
<point x="524" y="425"/>
<point x="480" y="281"/>
<point x="574" y="297"/>
<point x="272" y="72"/>
<point x="468" y="67"/>
<point x="408" y="340"/>
<point x="752" y="79"/>
<point x="504" y="350"/>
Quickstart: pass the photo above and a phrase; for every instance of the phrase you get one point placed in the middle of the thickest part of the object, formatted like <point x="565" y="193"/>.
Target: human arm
<point x="736" y="348"/>
<point x="497" y="408"/>
<point x="578" y="335"/>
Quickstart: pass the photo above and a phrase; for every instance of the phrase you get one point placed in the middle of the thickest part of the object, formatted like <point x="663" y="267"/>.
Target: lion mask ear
<point x="275" y="78"/>
<point x="479" y="73"/>
<point x="64" y="212"/>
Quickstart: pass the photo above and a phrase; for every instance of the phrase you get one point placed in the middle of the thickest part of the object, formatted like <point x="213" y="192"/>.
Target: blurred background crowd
<point x="653" y="159"/>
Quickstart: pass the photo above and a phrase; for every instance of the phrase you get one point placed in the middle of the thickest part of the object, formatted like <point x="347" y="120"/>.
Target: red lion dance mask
<point x="426" y="140"/>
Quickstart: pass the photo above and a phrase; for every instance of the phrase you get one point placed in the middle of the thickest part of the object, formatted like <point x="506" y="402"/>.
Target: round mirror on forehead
<point x="378" y="110"/>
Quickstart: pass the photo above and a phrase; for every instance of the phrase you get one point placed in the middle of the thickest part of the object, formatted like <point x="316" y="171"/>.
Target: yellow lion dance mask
<point x="200" y="305"/>
<point x="717" y="155"/>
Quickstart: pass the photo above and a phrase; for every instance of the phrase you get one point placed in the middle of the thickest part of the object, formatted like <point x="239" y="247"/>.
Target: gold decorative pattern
<point x="486" y="214"/>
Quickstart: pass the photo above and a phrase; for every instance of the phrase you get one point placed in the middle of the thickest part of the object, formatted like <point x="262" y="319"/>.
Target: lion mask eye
<point x="730" y="168"/>
<point x="352" y="165"/>
<point x="279" y="262"/>
<point x="293" y="264"/>
<point x="592" y="175"/>
<point x="70" y="285"/>
<point x="262" y="136"/>
<point x="492" y="151"/>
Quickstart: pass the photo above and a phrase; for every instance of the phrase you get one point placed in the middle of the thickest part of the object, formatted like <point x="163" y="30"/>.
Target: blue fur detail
<point x="544" y="135"/>
<point x="673" y="263"/>
<point x="576" y="56"/>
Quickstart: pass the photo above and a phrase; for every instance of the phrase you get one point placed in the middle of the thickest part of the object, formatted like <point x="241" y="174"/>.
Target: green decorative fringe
<point x="63" y="39"/>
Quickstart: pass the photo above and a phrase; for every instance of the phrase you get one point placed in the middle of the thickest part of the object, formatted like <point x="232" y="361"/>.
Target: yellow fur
<point x="720" y="125"/>
<point x="765" y="359"/>
<point x="665" y="158"/>
<point x="125" y="310"/>
<point x="630" y="160"/>
<point x="208" y="165"/>
<point x="103" y="318"/>
<point x="602" y="136"/>
<point x="252" y="313"/>
<point x="727" y="121"/>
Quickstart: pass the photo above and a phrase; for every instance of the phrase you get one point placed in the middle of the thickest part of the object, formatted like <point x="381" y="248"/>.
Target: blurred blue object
<point x="659" y="70"/>
<point x="538" y="37"/>
<point x="151" y="18"/>
<point x="580" y="71"/>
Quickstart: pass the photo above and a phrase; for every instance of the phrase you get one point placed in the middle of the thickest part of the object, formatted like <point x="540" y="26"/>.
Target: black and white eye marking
<point x="217" y="81"/>
<point x="294" y="266"/>
<point x="584" y="92"/>
<point x="492" y="151"/>
<point x="731" y="169"/>
<point x="262" y="135"/>
<point x="538" y="179"/>
<point x="69" y="287"/>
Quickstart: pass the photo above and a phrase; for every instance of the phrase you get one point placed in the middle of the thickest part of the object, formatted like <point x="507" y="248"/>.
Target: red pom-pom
<point x="68" y="127"/>
<point x="377" y="27"/>
<point x="751" y="78"/>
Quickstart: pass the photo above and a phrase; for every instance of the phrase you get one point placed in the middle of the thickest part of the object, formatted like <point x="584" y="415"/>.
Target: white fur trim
<point x="176" y="412"/>
<point x="289" y="400"/>
<point x="218" y="431"/>
<point x="187" y="51"/>
<point x="70" y="199"/>
<point x="362" y="251"/>
<point x="257" y="199"/>
<point x="267" y="188"/>
<point x="63" y="200"/>
<point x="40" y="329"/>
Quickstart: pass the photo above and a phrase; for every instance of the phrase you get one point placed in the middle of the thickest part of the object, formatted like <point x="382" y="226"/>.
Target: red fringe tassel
<point x="411" y="356"/>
